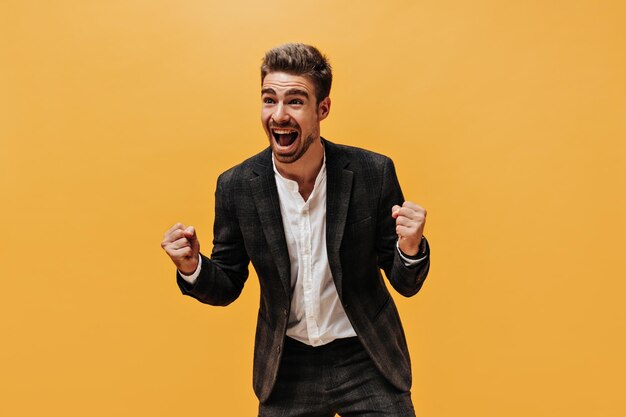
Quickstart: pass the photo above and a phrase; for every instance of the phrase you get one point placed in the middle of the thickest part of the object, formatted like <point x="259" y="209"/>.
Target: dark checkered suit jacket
<point x="360" y="233"/>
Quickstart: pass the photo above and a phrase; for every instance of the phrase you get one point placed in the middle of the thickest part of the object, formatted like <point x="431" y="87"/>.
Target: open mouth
<point x="285" y="137"/>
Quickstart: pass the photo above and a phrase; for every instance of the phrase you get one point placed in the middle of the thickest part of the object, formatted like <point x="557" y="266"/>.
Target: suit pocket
<point x="359" y="238"/>
<point x="359" y="222"/>
<point x="361" y="228"/>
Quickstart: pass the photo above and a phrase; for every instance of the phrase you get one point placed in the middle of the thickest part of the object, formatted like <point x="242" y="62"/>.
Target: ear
<point x="323" y="108"/>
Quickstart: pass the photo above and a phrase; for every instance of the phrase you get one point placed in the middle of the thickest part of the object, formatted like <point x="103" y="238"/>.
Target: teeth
<point x="283" y="131"/>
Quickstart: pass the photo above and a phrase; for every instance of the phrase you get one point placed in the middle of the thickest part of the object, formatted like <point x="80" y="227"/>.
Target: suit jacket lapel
<point x="338" y="191"/>
<point x="265" y="194"/>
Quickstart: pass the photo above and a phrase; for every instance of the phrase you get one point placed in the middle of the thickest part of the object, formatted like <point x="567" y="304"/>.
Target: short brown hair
<point x="300" y="59"/>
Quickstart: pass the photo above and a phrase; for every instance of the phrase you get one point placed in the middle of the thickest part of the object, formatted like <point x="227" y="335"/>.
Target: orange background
<point x="506" y="120"/>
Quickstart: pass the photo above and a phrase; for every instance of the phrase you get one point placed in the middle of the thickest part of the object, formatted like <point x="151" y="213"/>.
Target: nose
<point x="280" y="116"/>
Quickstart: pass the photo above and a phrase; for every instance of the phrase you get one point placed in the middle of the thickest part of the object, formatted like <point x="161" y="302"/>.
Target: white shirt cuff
<point x="193" y="277"/>
<point x="406" y="261"/>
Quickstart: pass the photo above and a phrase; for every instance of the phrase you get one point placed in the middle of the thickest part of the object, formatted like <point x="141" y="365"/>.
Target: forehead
<point x="281" y="81"/>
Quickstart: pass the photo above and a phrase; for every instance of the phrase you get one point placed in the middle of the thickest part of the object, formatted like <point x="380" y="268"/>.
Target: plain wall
<point x="506" y="120"/>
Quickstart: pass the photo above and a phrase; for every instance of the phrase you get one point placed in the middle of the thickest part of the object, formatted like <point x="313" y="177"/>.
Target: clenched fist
<point x="182" y="245"/>
<point x="410" y="220"/>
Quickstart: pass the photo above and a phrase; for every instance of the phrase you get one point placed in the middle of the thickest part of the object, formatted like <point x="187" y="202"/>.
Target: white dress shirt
<point x="317" y="316"/>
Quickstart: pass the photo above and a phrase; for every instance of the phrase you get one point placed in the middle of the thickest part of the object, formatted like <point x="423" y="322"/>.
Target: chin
<point x="295" y="154"/>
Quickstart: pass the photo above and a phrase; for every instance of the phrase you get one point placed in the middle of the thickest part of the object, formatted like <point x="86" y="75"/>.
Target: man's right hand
<point x="182" y="245"/>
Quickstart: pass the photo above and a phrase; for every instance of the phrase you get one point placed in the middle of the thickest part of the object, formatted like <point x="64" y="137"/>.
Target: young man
<point x="318" y="221"/>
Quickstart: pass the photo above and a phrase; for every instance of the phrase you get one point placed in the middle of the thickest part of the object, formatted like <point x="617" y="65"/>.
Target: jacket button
<point x="285" y="312"/>
<point x="277" y="349"/>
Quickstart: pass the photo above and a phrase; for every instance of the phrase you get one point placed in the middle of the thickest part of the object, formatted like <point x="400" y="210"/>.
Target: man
<point x="318" y="221"/>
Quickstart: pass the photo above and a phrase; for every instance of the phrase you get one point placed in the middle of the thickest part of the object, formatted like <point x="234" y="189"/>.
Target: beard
<point x="295" y="154"/>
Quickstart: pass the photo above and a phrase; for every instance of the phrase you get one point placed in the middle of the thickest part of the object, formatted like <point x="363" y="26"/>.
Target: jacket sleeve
<point x="224" y="274"/>
<point x="406" y="280"/>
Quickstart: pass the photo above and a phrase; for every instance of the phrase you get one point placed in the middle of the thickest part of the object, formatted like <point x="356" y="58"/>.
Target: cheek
<point x="310" y="123"/>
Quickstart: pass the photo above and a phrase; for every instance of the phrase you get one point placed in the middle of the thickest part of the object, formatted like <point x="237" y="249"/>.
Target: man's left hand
<point x="410" y="221"/>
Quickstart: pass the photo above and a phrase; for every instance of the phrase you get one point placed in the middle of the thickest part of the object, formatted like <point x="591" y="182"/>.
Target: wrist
<point x="190" y="267"/>
<point x="416" y="253"/>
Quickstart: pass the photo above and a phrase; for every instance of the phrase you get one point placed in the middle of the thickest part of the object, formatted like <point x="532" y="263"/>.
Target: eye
<point x="268" y="100"/>
<point x="296" y="101"/>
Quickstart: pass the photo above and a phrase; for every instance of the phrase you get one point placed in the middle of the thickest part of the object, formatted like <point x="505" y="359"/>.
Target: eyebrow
<point x="290" y="92"/>
<point x="296" y="92"/>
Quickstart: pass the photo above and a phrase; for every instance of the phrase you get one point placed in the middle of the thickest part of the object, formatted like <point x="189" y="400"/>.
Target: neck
<point x="304" y="171"/>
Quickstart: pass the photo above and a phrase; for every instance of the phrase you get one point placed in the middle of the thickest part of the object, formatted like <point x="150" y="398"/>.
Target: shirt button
<point x="285" y="312"/>
<point x="277" y="349"/>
